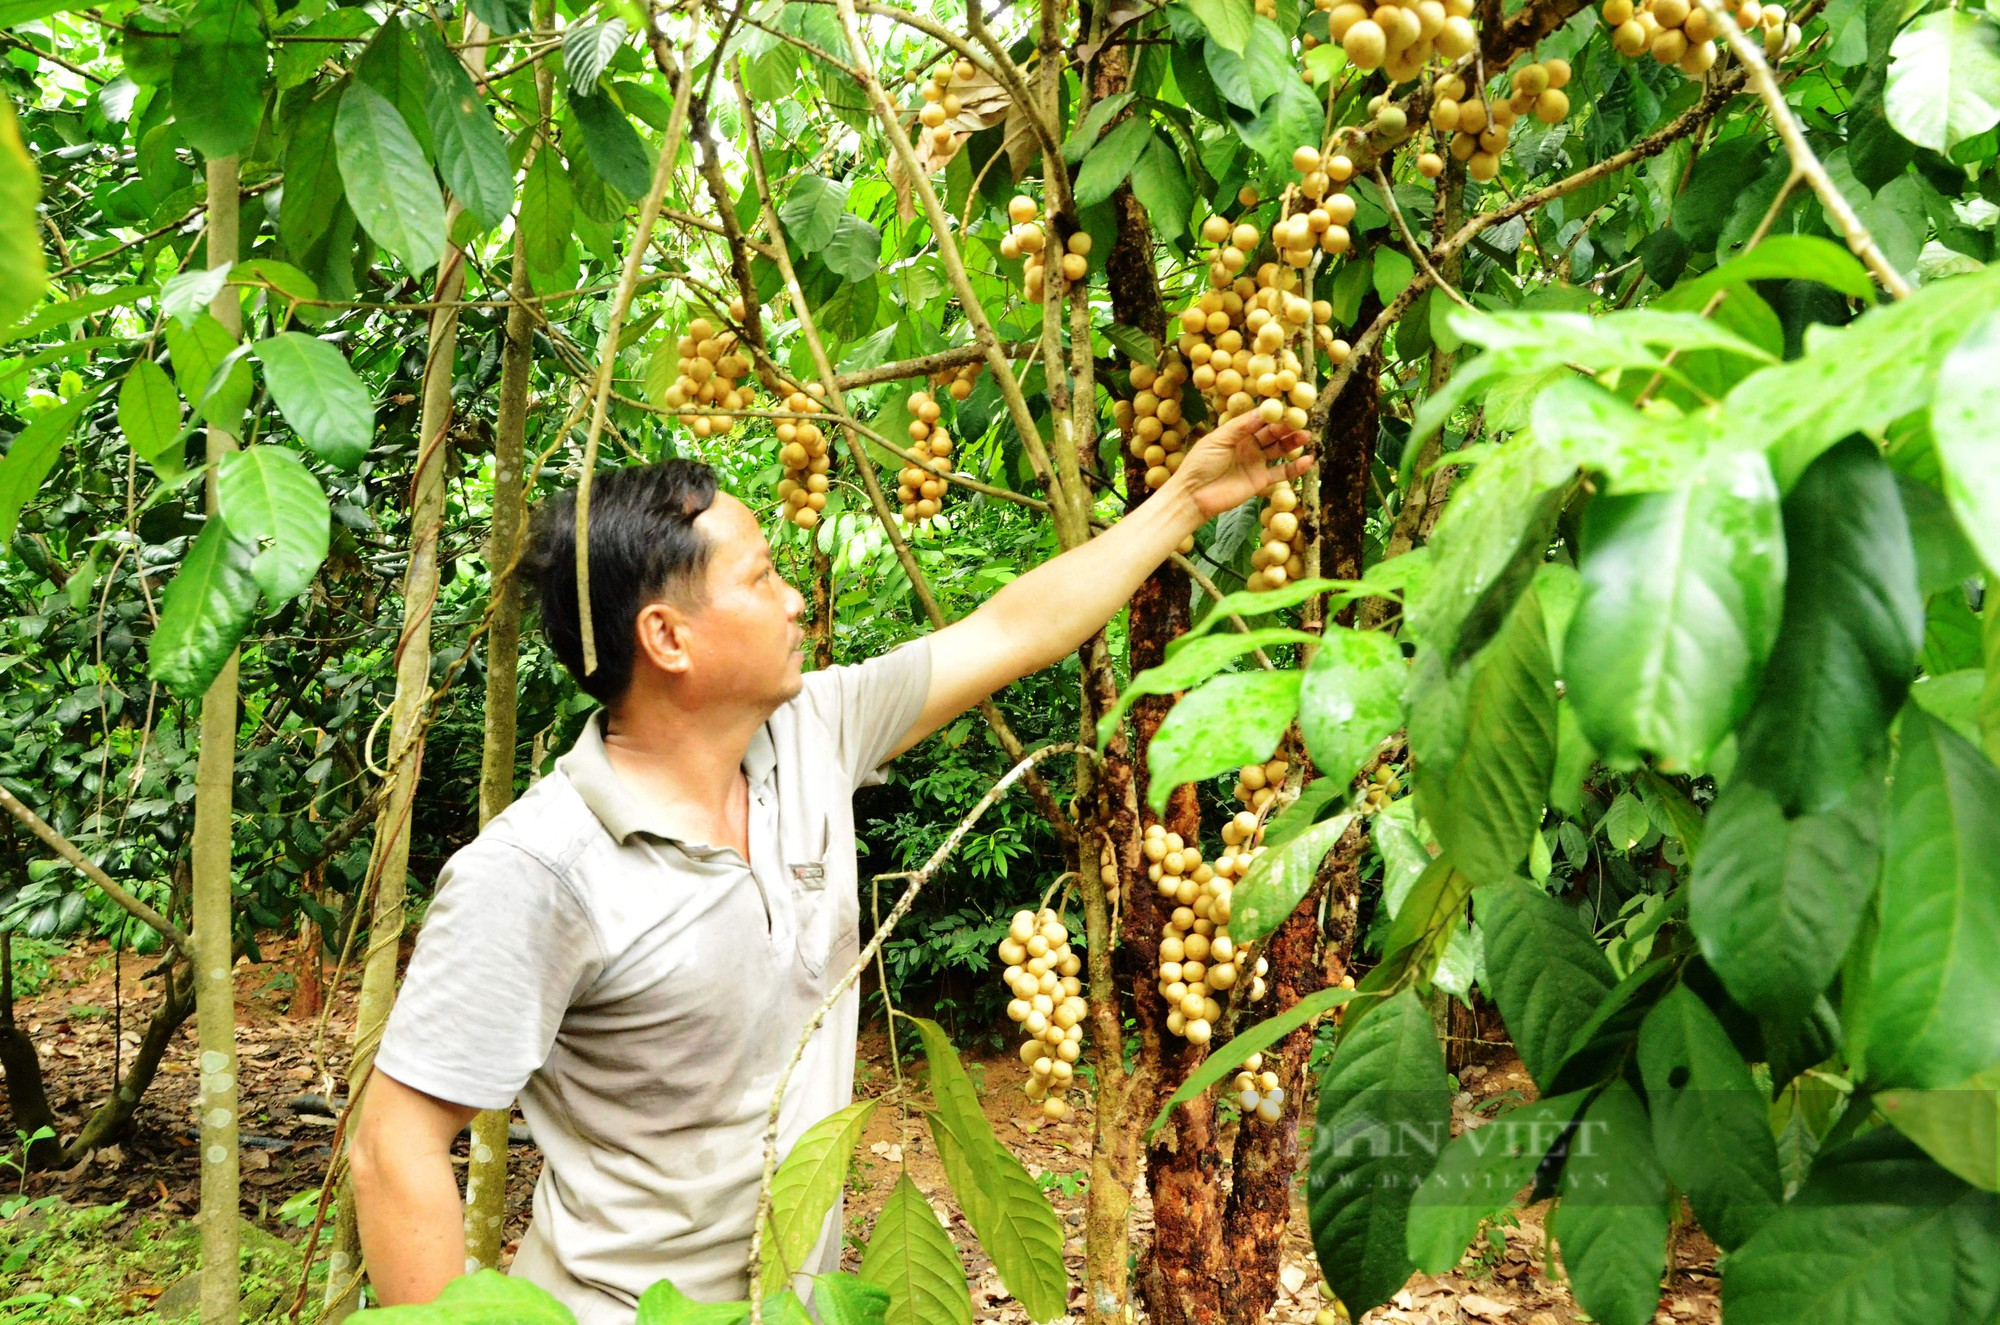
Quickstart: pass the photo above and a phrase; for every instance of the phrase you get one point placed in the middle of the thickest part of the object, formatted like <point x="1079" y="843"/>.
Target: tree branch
<point x="111" y="888"/>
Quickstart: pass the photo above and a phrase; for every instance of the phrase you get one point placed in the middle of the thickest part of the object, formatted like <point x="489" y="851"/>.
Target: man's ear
<point x="662" y="637"/>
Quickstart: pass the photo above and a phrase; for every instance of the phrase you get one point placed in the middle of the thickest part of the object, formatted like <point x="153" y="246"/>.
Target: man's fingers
<point x="1277" y="437"/>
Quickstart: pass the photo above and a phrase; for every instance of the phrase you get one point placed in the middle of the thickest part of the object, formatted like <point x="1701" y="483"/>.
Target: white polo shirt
<point x="641" y="994"/>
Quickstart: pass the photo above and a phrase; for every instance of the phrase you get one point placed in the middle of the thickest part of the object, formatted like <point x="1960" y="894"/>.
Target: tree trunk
<point x="214" y="946"/>
<point x="389" y="864"/>
<point x="486" y="1173"/>
<point x="27" y="1097"/>
<point x="104" y="1125"/>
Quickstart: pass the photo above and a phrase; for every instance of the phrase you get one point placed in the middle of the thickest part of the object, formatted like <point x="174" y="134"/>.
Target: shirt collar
<point x="611" y="799"/>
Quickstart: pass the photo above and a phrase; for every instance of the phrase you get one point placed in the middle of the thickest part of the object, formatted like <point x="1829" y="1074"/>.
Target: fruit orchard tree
<point x="1626" y="656"/>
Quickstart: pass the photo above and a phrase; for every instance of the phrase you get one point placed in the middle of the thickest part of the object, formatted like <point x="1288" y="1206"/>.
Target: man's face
<point x="744" y="641"/>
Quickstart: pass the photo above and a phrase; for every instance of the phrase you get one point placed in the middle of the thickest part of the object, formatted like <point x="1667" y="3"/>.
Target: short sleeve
<point x="506" y="947"/>
<point x="870" y="706"/>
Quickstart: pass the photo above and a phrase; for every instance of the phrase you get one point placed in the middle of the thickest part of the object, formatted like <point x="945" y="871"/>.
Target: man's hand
<point x="1054" y="608"/>
<point x="1242" y="459"/>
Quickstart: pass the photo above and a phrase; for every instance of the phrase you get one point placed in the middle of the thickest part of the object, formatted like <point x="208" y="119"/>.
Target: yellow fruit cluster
<point x="1258" y="1092"/>
<point x="1198" y="959"/>
<point x="1151" y="420"/>
<point x="920" y="487"/>
<point x="1048" y="1005"/>
<point x="941" y="105"/>
<point x="1280" y="557"/>
<point x="1239" y="335"/>
<point x="1676" y="32"/>
<point x="1480" y="129"/>
<point x="1027" y="240"/>
<point x="958" y="381"/>
<point x="1382" y="788"/>
<point x="804" y="451"/>
<point x="711" y="373"/>
<point x="1781" y="37"/>
<point x="1398" y="38"/>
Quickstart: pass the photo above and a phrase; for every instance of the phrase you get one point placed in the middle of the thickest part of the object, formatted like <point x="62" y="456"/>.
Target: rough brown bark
<point x="27" y="1097"/>
<point x="110" y="1117"/>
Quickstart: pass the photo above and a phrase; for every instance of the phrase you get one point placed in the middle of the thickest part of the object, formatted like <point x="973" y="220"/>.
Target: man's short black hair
<point x="643" y="546"/>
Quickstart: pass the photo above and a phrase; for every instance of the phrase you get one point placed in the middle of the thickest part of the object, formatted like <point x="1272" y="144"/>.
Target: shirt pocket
<point x="828" y="911"/>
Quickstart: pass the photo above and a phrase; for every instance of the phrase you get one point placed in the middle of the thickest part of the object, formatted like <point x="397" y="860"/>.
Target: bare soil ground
<point x="153" y="1170"/>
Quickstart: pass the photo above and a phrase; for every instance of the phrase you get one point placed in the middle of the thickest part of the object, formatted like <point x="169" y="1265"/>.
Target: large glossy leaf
<point x="1944" y="79"/>
<point x="24" y="271"/>
<point x="663" y="1304"/>
<point x="1959" y="1127"/>
<point x="1612" y="1223"/>
<point x="588" y="49"/>
<point x="1228" y="722"/>
<point x="149" y="414"/>
<point x="492" y="1298"/>
<point x="1680" y="605"/>
<point x="1479" y="1174"/>
<point x="389" y="183"/>
<point x="911" y="1256"/>
<point x="615" y="148"/>
<point x="805" y="1187"/>
<point x="1228" y="21"/>
<point x="1194" y="662"/>
<point x="548" y="214"/>
<point x="1544" y="969"/>
<point x="1922" y="1011"/>
<point x="1711" y="1127"/>
<point x="1160" y="183"/>
<point x="471" y="153"/>
<point x="220" y="73"/>
<point x="1775" y="900"/>
<point x="1110" y="162"/>
<point x="1279" y="879"/>
<point x="811" y="210"/>
<point x="1853" y="625"/>
<point x="1880" y="1235"/>
<point x="210" y="370"/>
<point x="1778" y="257"/>
<point x="1483" y="740"/>
<point x="1005" y="1206"/>
<point x="855" y="251"/>
<point x="319" y="395"/>
<point x="313" y="186"/>
<point x="1384" y="1115"/>
<point x="1223" y="1063"/>
<point x="1968" y="447"/>
<point x="30" y="457"/>
<point x="268" y="496"/>
<point x="1351" y="700"/>
<point x="844" y="1299"/>
<point x="206" y="609"/>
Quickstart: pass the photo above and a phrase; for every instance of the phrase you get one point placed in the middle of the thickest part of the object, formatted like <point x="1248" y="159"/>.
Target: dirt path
<point x="287" y="1143"/>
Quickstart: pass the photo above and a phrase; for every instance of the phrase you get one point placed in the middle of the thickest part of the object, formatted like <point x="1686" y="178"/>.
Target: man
<point x="635" y="947"/>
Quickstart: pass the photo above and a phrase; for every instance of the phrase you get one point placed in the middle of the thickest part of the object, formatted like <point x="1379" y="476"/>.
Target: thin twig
<point x="111" y="888"/>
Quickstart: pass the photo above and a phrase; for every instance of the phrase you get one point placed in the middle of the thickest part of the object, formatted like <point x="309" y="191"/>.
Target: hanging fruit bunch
<point x="1048" y="1005"/>
<point x="955" y="101"/>
<point x="1280" y="555"/>
<point x="1026" y="240"/>
<point x="958" y="381"/>
<point x="804" y="451"/>
<point x="1258" y="1091"/>
<point x="1155" y="431"/>
<point x="711" y="376"/>
<point x="1398" y="38"/>
<point x="1382" y="788"/>
<point x="920" y="484"/>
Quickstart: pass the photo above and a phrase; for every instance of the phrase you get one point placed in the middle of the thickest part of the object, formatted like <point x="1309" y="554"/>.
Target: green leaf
<point x="1160" y="183"/>
<point x="663" y="1304"/>
<point x="1862" y="376"/>
<point x="1777" y="258"/>
<point x="1384" y="1114"/>
<point x="1005" y="1206"/>
<point x="1612" y="1222"/>
<point x="313" y="186"/>
<point x="811" y="211"/>
<point x="1775" y="900"/>
<point x="1279" y="879"/>
<point x="1880" y="1235"/>
<point x="1230" y="721"/>
<point x="207" y="608"/>
<point x="588" y="49"/>
<point x="389" y="183"/>
<point x="1853" y="625"/>
<point x="911" y="1256"/>
<point x="1680" y="605"/>
<point x="1543" y="969"/>
<point x="296" y="62"/>
<point x="267" y="494"/>
<point x="1711" y="1126"/>
<point x="1351" y="699"/>
<point x="319" y="395"/>
<point x="547" y="215"/>
<point x="1223" y="1063"/>
<point x="210" y="370"/>
<point x="1603" y="1044"/>
<point x="843" y="1299"/>
<point x="1194" y="662"/>
<point x="1248" y="603"/>
<point x="1086" y="133"/>
<point x="1923" y="1014"/>
<point x="471" y="154"/>
<point x="1721" y="174"/>
<point x="1393" y="273"/>
<point x="30" y="457"/>
<point x="1968" y="449"/>
<point x="855" y="251"/>
<point x="1228" y="22"/>
<point x="221" y="71"/>
<point x="1288" y="116"/>
<point x="492" y="1298"/>
<point x="1483" y="740"/>
<point x="614" y="145"/>
<point x="1432" y="910"/>
<point x="189" y="294"/>
<point x="149" y="414"/>
<point x="1111" y="161"/>
<point x="806" y="1185"/>
<point x="1958" y="1127"/>
<point x="1944" y="79"/>
<point x="1299" y="817"/>
<point x="1479" y="1174"/>
<point x="24" y="271"/>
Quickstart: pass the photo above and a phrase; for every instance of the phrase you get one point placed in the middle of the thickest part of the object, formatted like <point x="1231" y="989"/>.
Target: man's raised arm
<point x="1053" y="609"/>
<point x="405" y="1192"/>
